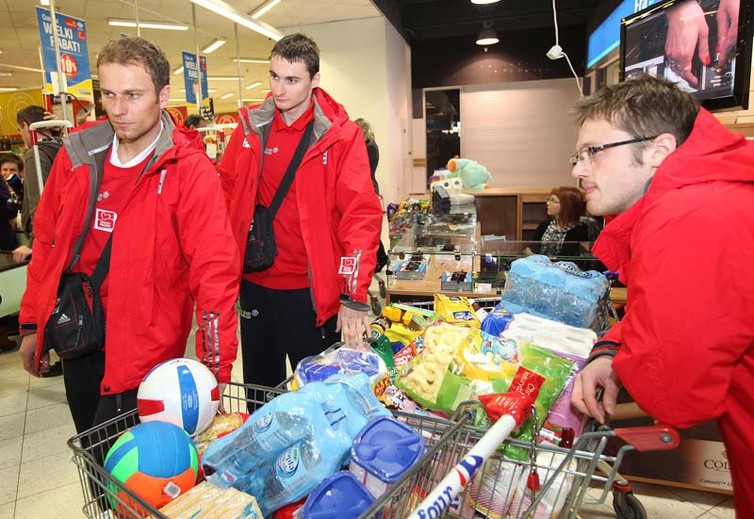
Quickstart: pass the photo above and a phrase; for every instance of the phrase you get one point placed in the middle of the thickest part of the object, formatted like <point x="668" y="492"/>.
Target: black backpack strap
<point x="285" y="184"/>
<point x="103" y="264"/>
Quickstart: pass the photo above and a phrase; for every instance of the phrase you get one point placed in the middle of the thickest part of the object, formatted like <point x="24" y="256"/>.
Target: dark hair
<point x="138" y="51"/>
<point x="193" y="120"/>
<point x="30" y="114"/>
<point x="644" y="107"/>
<point x="572" y="205"/>
<point x="298" y="47"/>
<point x="11" y="157"/>
<point x="33" y="114"/>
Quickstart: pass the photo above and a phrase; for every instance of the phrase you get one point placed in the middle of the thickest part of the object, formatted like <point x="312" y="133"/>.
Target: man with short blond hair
<point x="144" y="186"/>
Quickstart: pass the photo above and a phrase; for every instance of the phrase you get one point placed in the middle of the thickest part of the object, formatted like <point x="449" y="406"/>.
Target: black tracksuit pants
<point x="276" y="323"/>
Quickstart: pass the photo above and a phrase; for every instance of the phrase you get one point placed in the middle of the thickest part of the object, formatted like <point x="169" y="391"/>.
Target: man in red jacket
<point x="683" y="242"/>
<point x="140" y="179"/>
<point x="326" y="229"/>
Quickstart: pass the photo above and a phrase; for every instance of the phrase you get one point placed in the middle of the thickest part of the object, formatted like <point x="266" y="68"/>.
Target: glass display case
<point x="438" y="254"/>
<point x="447" y="254"/>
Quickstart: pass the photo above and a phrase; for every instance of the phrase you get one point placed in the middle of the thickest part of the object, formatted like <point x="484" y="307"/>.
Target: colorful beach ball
<point x="157" y="461"/>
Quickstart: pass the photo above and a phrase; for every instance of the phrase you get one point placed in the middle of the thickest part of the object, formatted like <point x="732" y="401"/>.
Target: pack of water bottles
<point x="293" y="442"/>
<point x="555" y="290"/>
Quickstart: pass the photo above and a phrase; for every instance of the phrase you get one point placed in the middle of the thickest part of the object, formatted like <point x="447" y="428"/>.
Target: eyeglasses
<point x="585" y="155"/>
<point x="553" y="200"/>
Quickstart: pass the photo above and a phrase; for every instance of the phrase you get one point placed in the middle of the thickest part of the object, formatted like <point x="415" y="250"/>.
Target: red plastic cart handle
<point x="650" y="438"/>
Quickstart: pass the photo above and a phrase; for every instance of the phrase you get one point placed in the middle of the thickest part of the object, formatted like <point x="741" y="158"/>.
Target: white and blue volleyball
<point x="179" y="391"/>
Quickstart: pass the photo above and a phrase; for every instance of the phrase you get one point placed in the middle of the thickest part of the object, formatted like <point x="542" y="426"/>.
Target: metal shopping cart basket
<point x="101" y="491"/>
<point x="501" y="488"/>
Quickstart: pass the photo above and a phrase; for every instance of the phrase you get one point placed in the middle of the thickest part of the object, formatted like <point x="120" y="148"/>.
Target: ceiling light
<point x="179" y="70"/>
<point x="6" y="74"/>
<point x="44" y="2"/>
<point x="233" y="14"/>
<point x="487" y="37"/>
<point x="212" y="47"/>
<point x="484" y="2"/>
<point x="168" y="26"/>
<point x="8" y="89"/>
<point x="223" y="78"/>
<point x="253" y="85"/>
<point x="226" y="96"/>
<point x="250" y="60"/>
<point x="264" y="8"/>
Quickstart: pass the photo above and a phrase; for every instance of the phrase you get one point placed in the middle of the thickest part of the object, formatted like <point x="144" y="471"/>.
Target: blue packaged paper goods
<point x="557" y="291"/>
<point x="382" y="452"/>
<point x="341" y="496"/>
<point x="295" y="441"/>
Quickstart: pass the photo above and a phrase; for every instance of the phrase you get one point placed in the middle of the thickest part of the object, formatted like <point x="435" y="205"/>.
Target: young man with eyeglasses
<point x="683" y="242"/>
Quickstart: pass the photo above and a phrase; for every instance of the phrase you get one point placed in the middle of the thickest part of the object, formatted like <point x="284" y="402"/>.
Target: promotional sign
<point x="74" y="57"/>
<point x="191" y="78"/>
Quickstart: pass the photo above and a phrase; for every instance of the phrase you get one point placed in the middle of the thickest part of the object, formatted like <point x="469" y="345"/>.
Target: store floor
<point x="39" y="480"/>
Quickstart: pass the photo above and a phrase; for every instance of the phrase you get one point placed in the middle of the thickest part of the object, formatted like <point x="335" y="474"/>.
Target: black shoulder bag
<point x="260" y="244"/>
<point x="77" y="324"/>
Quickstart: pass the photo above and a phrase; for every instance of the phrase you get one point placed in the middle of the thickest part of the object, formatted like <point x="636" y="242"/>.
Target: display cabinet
<point x="438" y="254"/>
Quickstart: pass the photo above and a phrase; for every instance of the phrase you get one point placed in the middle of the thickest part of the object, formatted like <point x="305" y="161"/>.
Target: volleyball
<point x="157" y="461"/>
<point x="180" y="391"/>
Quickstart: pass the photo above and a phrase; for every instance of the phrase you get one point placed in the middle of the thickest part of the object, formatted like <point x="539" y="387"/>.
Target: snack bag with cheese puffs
<point x="422" y="378"/>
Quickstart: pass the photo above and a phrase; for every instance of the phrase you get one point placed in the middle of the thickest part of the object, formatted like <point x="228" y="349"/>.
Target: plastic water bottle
<point x="271" y="433"/>
<point x="300" y="465"/>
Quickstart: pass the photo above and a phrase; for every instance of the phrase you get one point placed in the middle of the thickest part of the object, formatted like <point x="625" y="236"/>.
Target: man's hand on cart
<point x="354" y="324"/>
<point x="596" y="375"/>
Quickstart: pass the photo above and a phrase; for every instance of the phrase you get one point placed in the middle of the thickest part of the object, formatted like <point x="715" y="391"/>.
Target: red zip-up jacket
<point x="338" y="208"/>
<point x="172" y="247"/>
<point x="685" y="251"/>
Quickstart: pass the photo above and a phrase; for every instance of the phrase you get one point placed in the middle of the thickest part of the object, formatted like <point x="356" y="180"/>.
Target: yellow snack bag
<point x="456" y="310"/>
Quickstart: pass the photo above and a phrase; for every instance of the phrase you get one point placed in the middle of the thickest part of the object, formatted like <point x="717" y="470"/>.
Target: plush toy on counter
<point x="472" y="174"/>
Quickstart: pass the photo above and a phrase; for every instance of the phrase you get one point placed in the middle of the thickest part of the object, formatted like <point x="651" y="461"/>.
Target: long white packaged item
<point x="555" y="336"/>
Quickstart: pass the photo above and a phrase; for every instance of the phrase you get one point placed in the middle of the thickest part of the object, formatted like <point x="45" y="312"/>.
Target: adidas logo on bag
<point x="63" y="319"/>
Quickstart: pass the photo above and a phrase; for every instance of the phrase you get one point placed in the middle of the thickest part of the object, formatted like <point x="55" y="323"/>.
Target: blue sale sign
<point x="74" y="56"/>
<point x="191" y="77"/>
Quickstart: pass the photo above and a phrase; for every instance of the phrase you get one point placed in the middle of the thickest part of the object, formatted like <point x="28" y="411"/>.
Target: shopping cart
<point x="101" y="491"/>
<point x="503" y="488"/>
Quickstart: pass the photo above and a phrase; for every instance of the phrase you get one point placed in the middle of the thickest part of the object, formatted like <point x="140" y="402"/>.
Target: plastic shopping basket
<point x="101" y="491"/>
<point x="498" y="489"/>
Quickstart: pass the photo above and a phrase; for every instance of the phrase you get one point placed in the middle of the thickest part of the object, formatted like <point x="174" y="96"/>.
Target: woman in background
<point x="373" y="151"/>
<point x="560" y="233"/>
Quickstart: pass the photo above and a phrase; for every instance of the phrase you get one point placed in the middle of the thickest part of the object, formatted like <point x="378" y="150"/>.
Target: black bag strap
<point x="103" y="264"/>
<point x="285" y="184"/>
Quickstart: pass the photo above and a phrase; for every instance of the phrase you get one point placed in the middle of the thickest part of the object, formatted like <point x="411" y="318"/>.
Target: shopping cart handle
<point x="52" y="123"/>
<point x="650" y="438"/>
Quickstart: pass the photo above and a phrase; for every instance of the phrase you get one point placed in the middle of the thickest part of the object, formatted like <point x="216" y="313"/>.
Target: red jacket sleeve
<point x="691" y="301"/>
<point x="226" y="168"/>
<point x="214" y="269"/>
<point x="45" y="222"/>
<point x="360" y="209"/>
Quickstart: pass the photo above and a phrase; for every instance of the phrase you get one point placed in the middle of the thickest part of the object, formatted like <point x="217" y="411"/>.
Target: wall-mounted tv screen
<point x="702" y="45"/>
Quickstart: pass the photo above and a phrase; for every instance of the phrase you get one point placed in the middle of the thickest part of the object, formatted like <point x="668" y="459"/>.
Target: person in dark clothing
<point x="8" y="212"/>
<point x="373" y="151"/>
<point x="11" y="168"/>
<point x="49" y="144"/>
<point x="561" y="232"/>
